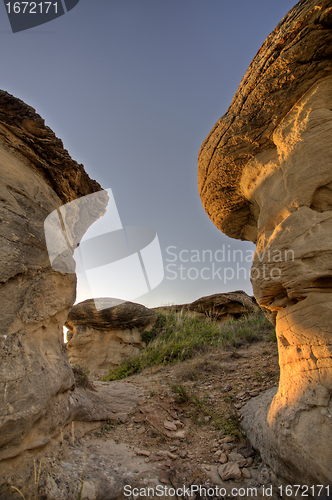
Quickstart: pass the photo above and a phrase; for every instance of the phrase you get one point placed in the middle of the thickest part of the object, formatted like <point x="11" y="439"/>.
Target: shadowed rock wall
<point x="37" y="176"/>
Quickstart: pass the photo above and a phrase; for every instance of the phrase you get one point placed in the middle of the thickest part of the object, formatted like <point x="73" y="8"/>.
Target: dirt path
<point x="181" y="428"/>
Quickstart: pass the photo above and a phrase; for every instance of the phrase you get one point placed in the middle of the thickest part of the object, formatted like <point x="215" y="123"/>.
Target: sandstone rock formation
<point x="220" y="306"/>
<point x="101" y="339"/>
<point x="265" y="175"/>
<point x="37" y="386"/>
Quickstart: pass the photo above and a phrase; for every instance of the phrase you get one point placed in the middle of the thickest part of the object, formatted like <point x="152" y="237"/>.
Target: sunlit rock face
<point x="101" y="339"/>
<point x="272" y="172"/>
<point x="292" y="270"/>
<point x="37" y="176"/>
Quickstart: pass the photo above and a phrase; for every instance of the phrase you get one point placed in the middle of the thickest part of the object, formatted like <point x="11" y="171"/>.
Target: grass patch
<point x="81" y="377"/>
<point x="230" y="425"/>
<point x="180" y="336"/>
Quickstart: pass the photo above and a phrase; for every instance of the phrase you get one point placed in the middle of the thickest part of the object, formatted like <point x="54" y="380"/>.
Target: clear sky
<point x="133" y="87"/>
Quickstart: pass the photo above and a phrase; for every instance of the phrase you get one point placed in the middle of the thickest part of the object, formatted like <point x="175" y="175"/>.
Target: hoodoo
<point x="101" y="339"/>
<point x="265" y="175"/>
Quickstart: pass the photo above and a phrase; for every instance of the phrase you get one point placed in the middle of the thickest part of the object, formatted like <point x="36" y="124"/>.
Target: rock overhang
<point x="44" y="151"/>
<point x="295" y="56"/>
<point x="115" y="314"/>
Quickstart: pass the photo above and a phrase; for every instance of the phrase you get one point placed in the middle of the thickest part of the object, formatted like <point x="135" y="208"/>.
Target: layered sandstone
<point x="101" y="339"/>
<point x="265" y="175"/>
<point x="37" y="176"/>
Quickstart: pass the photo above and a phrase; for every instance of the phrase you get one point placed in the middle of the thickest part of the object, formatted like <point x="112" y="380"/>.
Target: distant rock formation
<point x="101" y="339"/>
<point x="37" y="385"/>
<point x="219" y="307"/>
<point x="265" y="175"/>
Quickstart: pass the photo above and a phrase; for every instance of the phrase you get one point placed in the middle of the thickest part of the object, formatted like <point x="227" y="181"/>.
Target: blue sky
<point x="133" y="87"/>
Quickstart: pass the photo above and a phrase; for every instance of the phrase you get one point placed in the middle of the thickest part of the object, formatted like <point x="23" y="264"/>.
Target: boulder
<point x="265" y="175"/>
<point x="101" y="339"/>
<point x="230" y="470"/>
<point x="37" y="385"/>
<point x="220" y="306"/>
<point x="224" y="306"/>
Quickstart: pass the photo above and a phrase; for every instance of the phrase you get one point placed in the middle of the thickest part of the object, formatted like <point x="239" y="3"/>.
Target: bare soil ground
<point x="183" y="424"/>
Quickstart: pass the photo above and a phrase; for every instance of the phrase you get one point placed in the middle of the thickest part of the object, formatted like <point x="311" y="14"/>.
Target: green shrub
<point x="147" y="337"/>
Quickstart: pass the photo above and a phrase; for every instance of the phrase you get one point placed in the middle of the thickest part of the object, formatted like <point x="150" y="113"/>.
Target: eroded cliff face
<point x="274" y="183"/>
<point x="37" y="176"/>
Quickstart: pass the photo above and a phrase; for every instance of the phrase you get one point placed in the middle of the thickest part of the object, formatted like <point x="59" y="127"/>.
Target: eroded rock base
<point x="283" y="448"/>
